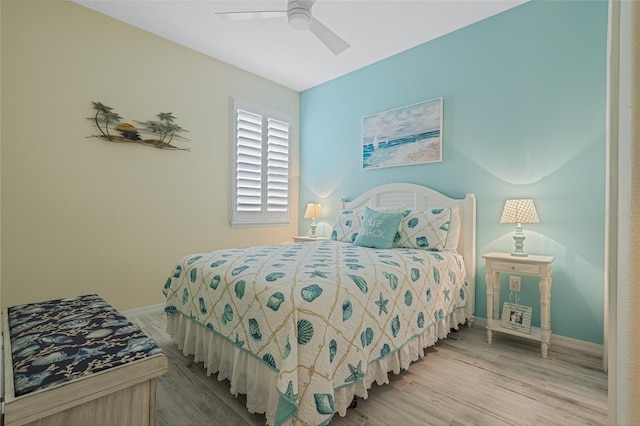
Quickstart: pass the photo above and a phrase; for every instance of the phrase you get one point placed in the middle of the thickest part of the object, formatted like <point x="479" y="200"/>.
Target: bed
<point x="303" y="328"/>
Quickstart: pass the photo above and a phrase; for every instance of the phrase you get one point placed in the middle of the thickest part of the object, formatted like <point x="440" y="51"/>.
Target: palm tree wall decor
<point x="164" y="131"/>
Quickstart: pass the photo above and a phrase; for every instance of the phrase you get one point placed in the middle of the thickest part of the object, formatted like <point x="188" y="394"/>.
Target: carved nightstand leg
<point x="489" y="280"/>
<point x="544" y="348"/>
<point x="545" y="312"/>
<point x="496" y="295"/>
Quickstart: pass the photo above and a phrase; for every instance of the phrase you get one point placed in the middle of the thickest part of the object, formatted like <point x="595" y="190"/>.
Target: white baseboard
<point x="143" y="310"/>
<point x="591" y="349"/>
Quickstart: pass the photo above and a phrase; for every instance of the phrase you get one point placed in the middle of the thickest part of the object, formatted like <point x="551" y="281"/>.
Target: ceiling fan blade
<point x="245" y="16"/>
<point x="332" y="40"/>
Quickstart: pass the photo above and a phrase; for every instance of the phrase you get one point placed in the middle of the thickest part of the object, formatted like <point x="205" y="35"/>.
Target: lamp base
<point x="313" y="229"/>
<point x="519" y="239"/>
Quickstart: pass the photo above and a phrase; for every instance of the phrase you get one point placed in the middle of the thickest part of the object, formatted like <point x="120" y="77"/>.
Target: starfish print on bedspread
<point x="356" y="373"/>
<point x="382" y="304"/>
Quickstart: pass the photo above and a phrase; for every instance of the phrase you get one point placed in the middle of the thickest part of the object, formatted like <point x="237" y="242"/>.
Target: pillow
<point x="424" y="229"/>
<point x="347" y="226"/>
<point x="454" y="231"/>
<point x="348" y="223"/>
<point x="378" y="229"/>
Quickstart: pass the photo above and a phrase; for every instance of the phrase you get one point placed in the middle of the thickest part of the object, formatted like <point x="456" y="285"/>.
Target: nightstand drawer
<point x="516" y="267"/>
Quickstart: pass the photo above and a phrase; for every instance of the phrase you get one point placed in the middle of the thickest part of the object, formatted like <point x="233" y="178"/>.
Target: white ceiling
<point x="297" y="59"/>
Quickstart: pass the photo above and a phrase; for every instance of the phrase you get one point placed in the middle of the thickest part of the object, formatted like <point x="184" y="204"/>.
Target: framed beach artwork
<point x="403" y="136"/>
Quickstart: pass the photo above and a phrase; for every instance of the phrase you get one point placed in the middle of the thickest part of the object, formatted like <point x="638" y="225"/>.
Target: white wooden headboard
<point x="417" y="197"/>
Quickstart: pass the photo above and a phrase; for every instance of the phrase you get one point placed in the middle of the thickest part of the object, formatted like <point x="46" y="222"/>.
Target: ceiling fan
<point x="299" y="15"/>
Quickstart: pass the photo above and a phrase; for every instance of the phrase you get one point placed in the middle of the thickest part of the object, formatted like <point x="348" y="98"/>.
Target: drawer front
<point x="518" y="268"/>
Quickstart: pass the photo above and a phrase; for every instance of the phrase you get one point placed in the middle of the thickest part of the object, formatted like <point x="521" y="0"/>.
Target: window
<point x="260" y="165"/>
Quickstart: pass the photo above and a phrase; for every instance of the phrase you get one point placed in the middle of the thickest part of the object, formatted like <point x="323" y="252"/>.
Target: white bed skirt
<point x="249" y="375"/>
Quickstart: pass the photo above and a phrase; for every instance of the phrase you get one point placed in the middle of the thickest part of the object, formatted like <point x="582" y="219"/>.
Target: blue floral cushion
<point x="378" y="229"/>
<point x="57" y="341"/>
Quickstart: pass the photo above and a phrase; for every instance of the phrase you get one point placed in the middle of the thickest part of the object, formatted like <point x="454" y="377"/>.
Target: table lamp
<point x="313" y="212"/>
<point x="519" y="211"/>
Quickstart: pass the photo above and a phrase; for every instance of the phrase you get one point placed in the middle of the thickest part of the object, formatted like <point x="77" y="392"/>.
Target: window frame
<point x="265" y="216"/>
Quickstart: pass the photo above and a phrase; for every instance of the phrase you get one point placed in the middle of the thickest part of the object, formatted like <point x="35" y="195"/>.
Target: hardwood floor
<point x="461" y="381"/>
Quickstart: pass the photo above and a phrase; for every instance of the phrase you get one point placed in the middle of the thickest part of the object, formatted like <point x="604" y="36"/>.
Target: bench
<point x="78" y="361"/>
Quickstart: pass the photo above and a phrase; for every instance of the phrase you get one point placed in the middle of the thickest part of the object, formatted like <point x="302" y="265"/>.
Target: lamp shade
<point x="519" y="211"/>
<point x="313" y="211"/>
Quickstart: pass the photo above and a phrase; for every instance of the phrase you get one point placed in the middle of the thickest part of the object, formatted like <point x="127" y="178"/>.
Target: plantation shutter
<point x="260" y="166"/>
<point x="249" y="162"/>
<point x="277" y="167"/>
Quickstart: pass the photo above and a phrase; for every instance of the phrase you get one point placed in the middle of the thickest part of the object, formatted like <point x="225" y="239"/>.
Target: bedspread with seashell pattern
<point x="317" y="313"/>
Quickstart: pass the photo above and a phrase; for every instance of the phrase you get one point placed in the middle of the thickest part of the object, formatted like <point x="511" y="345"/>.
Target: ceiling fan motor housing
<point x="299" y="14"/>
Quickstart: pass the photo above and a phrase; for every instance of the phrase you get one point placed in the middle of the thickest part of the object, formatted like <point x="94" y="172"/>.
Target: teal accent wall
<point x="524" y="116"/>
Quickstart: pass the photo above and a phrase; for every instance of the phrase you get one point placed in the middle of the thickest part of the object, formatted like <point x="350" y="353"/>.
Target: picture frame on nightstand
<point x="516" y="317"/>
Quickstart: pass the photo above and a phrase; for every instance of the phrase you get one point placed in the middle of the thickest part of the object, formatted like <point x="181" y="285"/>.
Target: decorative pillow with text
<point x="378" y="229"/>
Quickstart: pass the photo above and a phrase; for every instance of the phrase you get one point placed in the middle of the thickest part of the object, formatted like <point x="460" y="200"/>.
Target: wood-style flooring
<point x="461" y="381"/>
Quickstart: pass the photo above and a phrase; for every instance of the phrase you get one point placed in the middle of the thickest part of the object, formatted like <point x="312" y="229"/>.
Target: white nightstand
<point x="539" y="266"/>
<point x="308" y="239"/>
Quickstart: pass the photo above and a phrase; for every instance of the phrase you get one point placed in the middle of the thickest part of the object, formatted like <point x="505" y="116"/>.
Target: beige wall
<point x="81" y="215"/>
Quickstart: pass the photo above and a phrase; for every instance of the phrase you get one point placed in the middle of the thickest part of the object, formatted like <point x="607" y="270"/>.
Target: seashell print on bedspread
<point x="317" y="313"/>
